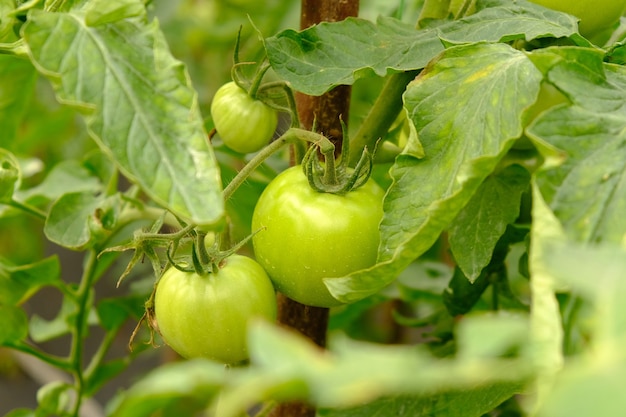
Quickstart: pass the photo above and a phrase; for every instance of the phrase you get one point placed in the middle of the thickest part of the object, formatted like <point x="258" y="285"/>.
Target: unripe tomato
<point x="595" y="15"/>
<point x="207" y="315"/>
<point x="306" y="235"/>
<point x="245" y="125"/>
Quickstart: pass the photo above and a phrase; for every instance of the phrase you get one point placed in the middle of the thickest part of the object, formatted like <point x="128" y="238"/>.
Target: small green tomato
<point x="245" y="125"/>
<point x="208" y="315"/>
<point x="305" y="235"/>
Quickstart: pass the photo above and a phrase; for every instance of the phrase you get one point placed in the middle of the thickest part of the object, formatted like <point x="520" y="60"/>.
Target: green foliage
<point x="331" y="54"/>
<point x="137" y="98"/>
<point x="500" y="273"/>
<point x="482" y="222"/>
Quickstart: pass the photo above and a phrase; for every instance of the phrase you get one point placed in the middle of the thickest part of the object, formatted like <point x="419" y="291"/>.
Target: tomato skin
<point x="306" y="235"/>
<point x="594" y="15"/>
<point x="245" y="125"/>
<point x="207" y="315"/>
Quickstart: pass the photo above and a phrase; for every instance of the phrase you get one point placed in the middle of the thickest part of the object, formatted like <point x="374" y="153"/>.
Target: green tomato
<point x="245" y="125"/>
<point x="595" y="15"/>
<point x="305" y="236"/>
<point x="208" y="315"/>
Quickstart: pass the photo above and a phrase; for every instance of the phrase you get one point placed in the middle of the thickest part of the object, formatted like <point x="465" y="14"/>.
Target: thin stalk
<point x="166" y="237"/>
<point x="382" y="114"/>
<point x="131" y="214"/>
<point x="27" y="208"/>
<point x="330" y="170"/>
<point x="78" y="336"/>
<point x="292" y="135"/>
<point x="257" y="80"/>
<point x="98" y="358"/>
<point x="289" y="95"/>
<point x="57" y="362"/>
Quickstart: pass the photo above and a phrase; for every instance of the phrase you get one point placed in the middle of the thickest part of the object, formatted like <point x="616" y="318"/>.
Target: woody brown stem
<point x="326" y="111"/>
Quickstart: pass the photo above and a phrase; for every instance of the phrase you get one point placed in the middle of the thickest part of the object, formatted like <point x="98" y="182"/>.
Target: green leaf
<point x="54" y="399"/>
<point x="183" y="388"/>
<point x="285" y="366"/>
<point x="597" y="274"/>
<point x="592" y="135"/>
<point x="492" y="335"/>
<point x="505" y="21"/>
<point x="7" y="22"/>
<point x="424" y="279"/>
<point x="462" y="293"/>
<point x="68" y="223"/>
<point x="591" y="384"/>
<point x="473" y="402"/>
<point x="138" y="103"/>
<point x="68" y="176"/>
<point x="330" y="54"/>
<point x="104" y="373"/>
<point x="13" y="324"/>
<point x="113" y="312"/>
<point x="466" y="107"/>
<point x="476" y="230"/>
<point x="19" y="283"/>
<point x="588" y="389"/>
<point x="81" y="220"/>
<point x="17" y="80"/>
<point x="10" y="175"/>
<point x="101" y="12"/>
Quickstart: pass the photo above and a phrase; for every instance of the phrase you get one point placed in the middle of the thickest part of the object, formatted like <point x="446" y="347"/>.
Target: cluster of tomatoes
<point x="302" y="236"/>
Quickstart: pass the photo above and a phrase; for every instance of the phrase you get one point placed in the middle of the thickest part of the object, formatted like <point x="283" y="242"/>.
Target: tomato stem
<point x="292" y="108"/>
<point x="27" y="208"/>
<point x="382" y="114"/>
<point x="256" y="81"/>
<point x="55" y="361"/>
<point x="293" y="135"/>
<point x="84" y="302"/>
<point x="203" y="256"/>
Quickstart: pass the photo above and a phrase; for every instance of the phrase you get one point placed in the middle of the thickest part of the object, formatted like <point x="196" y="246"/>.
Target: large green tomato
<point x="305" y="236"/>
<point x="245" y="125"/>
<point x="207" y="315"/>
<point x="595" y="15"/>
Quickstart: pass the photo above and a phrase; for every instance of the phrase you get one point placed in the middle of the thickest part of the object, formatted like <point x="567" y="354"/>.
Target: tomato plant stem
<point x="84" y="302"/>
<point x="382" y="114"/>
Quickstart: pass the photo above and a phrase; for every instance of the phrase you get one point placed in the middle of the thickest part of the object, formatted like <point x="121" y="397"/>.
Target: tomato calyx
<point x="276" y="94"/>
<point x="204" y="260"/>
<point x="333" y="176"/>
